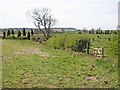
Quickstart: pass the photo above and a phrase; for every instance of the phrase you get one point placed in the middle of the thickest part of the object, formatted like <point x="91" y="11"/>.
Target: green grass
<point x="27" y="64"/>
<point x="0" y="63"/>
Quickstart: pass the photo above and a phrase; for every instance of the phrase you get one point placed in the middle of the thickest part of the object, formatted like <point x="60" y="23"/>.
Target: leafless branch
<point x="43" y="18"/>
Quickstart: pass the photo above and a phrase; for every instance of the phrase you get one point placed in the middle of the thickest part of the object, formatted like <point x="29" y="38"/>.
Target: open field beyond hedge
<point x="27" y="64"/>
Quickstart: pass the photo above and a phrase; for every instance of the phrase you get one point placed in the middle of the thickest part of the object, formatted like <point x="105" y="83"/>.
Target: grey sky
<point x="69" y="13"/>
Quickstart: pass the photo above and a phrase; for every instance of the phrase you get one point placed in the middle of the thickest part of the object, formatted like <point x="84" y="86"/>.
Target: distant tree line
<point x="97" y="31"/>
<point x="10" y="34"/>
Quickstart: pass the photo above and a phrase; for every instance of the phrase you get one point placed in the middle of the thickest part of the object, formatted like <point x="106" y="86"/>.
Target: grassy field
<point x="0" y="63"/>
<point x="27" y="64"/>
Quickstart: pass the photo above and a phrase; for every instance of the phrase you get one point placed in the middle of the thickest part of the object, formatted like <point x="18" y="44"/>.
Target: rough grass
<point x="28" y="64"/>
<point x="0" y="63"/>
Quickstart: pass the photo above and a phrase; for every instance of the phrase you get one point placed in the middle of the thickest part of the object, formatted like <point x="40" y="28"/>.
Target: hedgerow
<point x="75" y="42"/>
<point x="11" y="37"/>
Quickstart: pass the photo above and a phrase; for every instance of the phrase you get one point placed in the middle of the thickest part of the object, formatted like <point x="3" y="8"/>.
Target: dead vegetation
<point x="33" y="51"/>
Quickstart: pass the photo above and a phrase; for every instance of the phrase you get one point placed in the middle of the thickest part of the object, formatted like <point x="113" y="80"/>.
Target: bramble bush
<point x="74" y="42"/>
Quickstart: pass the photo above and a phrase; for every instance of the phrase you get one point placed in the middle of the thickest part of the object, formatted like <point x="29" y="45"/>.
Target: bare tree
<point x="43" y="20"/>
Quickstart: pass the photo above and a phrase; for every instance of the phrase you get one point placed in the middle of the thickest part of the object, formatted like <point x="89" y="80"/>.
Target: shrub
<point x="33" y="38"/>
<point x="109" y="39"/>
<point x="98" y="36"/>
<point x="114" y="31"/>
<point x="74" y="42"/>
<point x="79" y="32"/>
<point x="107" y="32"/>
<point x="81" y="45"/>
<point x="23" y="38"/>
<point x="38" y="38"/>
<point x="10" y="37"/>
<point x="57" y="42"/>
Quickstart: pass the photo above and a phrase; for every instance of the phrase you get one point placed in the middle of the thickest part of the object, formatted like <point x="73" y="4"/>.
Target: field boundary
<point x="0" y="63"/>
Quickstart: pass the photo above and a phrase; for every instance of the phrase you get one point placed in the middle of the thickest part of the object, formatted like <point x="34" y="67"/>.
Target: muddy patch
<point x="91" y="78"/>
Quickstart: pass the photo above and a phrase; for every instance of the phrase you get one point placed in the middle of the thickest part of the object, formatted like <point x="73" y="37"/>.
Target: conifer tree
<point x="28" y="35"/>
<point x="24" y="32"/>
<point x="4" y="34"/>
<point x="32" y="32"/>
<point x="19" y="34"/>
<point x="12" y="32"/>
<point x="8" y="32"/>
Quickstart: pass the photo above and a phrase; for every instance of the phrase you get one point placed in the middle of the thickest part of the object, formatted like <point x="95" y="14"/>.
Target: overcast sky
<point x="69" y="13"/>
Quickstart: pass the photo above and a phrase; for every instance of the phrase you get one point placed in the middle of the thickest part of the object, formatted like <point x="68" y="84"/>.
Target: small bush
<point x="23" y="38"/>
<point x="98" y="36"/>
<point x="93" y="39"/>
<point x="79" y="32"/>
<point x="33" y="38"/>
<point x="38" y="38"/>
<point x="10" y="37"/>
<point x="107" y="32"/>
<point x="109" y="39"/>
